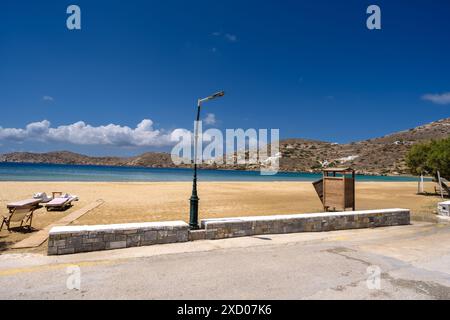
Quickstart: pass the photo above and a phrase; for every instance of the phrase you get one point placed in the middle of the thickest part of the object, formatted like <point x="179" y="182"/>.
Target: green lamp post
<point x="193" y="220"/>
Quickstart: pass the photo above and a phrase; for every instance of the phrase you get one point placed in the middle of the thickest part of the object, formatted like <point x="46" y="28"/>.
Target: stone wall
<point x="74" y="239"/>
<point x="312" y="222"/>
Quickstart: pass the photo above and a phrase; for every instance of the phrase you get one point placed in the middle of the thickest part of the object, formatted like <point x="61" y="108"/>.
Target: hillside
<point x="384" y="155"/>
<point x="151" y="159"/>
<point x="61" y="157"/>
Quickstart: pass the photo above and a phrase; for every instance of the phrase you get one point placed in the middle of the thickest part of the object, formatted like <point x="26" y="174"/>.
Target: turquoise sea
<point x="54" y="172"/>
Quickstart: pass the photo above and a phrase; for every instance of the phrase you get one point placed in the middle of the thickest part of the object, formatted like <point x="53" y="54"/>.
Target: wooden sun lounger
<point x="23" y="204"/>
<point x="23" y="215"/>
<point x="445" y="187"/>
<point x="60" y="203"/>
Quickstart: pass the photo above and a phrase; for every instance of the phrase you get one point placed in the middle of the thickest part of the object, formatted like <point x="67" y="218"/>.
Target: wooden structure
<point x="443" y="185"/>
<point x="22" y="215"/>
<point x="336" y="189"/>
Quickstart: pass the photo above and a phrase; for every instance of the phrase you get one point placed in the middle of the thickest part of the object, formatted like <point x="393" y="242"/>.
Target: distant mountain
<point x="151" y="159"/>
<point x="61" y="157"/>
<point x="384" y="155"/>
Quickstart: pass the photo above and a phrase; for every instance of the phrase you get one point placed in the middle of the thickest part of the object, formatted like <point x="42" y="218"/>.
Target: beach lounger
<point x="38" y="198"/>
<point x="23" y="216"/>
<point x="43" y="197"/>
<point x="61" y="202"/>
<point x="445" y="187"/>
<point x="23" y="204"/>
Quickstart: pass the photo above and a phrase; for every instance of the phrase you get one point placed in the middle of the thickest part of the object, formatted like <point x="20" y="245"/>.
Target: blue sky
<point x="310" y="68"/>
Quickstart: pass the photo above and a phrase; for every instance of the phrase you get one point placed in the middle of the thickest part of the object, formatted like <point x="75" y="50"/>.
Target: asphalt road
<point x="408" y="262"/>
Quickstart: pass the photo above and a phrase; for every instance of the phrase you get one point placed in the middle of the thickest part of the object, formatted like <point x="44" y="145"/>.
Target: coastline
<point x="185" y="169"/>
<point x="188" y="167"/>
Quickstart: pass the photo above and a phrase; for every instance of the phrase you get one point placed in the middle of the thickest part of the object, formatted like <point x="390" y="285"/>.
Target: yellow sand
<point x="158" y="201"/>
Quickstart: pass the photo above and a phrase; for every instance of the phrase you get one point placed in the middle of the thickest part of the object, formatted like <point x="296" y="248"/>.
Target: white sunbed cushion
<point x="23" y="203"/>
<point x="58" y="201"/>
<point x="62" y="200"/>
<point x="42" y="196"/>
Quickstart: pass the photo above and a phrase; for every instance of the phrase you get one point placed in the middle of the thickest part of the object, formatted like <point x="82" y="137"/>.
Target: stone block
<point x="116" y="245"/>
<point x="150" y="235"/>
<point x="52" y="250"/>
<point x="97" y="246"/>
<point x="132" y="243"/>
<point x="74" y="242"/>
<point x="60" y="243"/>
<point x="108" y="237"/>
<point x="182" y="236"/>
<point x="66" y="250"/>
<point x="197" y="235"/>
<point x="120" y="237"/>
<point x="84" y="248"/>
<point x="167" y="237"/>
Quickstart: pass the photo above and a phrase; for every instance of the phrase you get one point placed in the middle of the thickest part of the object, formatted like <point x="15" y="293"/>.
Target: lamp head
<point x="218" y="94"/>
<point x="214" y="96"/>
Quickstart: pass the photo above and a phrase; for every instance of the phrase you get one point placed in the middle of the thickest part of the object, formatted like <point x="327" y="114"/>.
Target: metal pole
<point x="193" y="216"/>
<point x="418" y="186"/>
<point x="440" y="184"/>
<point x="421" y="189"/>
<point x="421" y="184"/>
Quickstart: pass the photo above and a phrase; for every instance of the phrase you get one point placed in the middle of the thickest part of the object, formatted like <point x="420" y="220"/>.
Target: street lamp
<point x="193" y="221"/>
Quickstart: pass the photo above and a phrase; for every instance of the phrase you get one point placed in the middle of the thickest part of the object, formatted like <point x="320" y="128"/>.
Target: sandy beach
<point x="162" y="201"/>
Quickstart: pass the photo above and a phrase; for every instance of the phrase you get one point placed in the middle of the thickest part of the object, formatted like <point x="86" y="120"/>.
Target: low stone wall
<point x="312" y="222"/>
<point x="74" y="239"/>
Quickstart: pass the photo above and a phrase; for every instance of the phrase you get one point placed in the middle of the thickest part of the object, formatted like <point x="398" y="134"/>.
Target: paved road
<point x="412" y="261"/>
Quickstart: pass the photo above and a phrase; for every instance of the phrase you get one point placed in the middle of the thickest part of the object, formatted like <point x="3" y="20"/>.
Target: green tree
<point x="430" y="157"/>
<point x="417" y="157"/>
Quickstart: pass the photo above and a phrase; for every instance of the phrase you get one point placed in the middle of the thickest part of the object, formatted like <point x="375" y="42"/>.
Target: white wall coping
<point x="118" y="227"/>
<point x="182" y="224"/>
<point x="301" y="215"/>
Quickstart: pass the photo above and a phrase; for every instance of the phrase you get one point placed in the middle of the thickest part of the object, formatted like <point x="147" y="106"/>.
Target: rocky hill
<point x="384" y="155"/>
<point x="61" y="157"/>
<point x="151" y="159"/>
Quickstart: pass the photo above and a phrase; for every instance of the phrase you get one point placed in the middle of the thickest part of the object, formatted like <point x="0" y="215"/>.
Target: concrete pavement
<point x="407" y="262"/>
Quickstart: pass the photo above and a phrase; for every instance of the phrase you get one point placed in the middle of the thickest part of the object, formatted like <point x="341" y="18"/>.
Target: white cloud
<point x="48" y="98"/>
<point x="228" y="36"/>
<point x="80" y="133"/>
<point x="443" y="98"/>
<point x="210" y="119"/>
<point x="231" y="37"/>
